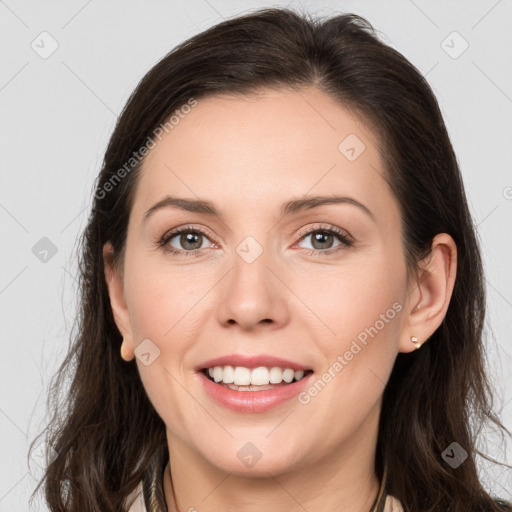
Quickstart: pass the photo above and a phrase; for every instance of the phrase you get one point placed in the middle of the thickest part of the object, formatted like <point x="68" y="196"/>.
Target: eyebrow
<point x="289" y="208"/>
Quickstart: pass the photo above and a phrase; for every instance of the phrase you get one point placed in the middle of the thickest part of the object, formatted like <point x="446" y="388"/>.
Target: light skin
<point x="248" y="156"/>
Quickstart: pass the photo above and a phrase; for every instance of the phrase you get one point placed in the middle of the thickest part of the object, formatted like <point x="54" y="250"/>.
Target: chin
<point x="253" y="458"/>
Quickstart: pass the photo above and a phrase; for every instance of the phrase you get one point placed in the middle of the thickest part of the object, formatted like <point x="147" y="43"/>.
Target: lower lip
<point x="253" y="401"/>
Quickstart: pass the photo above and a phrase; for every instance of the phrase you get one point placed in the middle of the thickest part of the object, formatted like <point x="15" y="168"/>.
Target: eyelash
<point x="345" y="239"/>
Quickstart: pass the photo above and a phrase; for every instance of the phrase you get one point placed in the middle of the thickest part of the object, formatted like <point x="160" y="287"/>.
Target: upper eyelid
<point x="326" y="227"/>
<point x="180" y="229"/>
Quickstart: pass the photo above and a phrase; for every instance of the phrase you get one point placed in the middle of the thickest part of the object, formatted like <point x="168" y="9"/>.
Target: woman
<point x="282" y="290"/>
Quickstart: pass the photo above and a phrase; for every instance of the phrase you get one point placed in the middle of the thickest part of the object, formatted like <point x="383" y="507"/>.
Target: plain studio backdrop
<point x="66" y="71"/>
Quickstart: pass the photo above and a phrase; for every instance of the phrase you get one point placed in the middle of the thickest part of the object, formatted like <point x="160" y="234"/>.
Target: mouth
<point x="261" y="378"/>
<point x="253" y="383"/>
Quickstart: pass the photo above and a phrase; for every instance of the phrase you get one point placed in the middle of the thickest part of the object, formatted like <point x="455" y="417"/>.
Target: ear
<point x="429" y="297"/>
<point x="114" y="281"/>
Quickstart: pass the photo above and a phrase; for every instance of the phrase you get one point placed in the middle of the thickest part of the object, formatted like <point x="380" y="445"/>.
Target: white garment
<point x="392" y="504"/>
<point x="138" y="504"/>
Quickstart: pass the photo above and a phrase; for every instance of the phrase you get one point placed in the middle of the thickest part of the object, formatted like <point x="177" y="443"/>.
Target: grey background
<point x="58" y="112"/>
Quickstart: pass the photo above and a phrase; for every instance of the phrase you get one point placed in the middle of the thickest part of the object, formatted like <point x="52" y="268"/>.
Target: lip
<point x="251" y="362"/>
<point x="253" y="401"/>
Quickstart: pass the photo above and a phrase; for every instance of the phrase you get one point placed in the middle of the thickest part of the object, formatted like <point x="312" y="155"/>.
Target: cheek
<point x="150" y="304"/>
<point x="161" y="307"/>
<point x="359" y="301"/>
<point x="164" y="303"/>
<point x="360" y="313"/>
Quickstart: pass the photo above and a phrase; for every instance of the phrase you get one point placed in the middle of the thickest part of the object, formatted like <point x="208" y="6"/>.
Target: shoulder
<point x="135" y="501"/>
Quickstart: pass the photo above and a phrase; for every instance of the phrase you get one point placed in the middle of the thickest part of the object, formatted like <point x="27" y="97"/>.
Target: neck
<point x="344" y="480"/>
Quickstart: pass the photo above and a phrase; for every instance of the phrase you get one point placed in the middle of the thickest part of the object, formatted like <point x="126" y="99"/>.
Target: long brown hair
<point x="104" y="428"/>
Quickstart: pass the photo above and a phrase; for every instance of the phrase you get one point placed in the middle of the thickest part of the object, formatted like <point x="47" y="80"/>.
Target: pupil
<point x="318" y="238"/>
<point x="190" y="238"/>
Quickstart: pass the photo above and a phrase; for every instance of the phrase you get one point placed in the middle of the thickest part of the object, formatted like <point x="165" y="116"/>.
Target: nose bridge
<point x="251" y="294"/>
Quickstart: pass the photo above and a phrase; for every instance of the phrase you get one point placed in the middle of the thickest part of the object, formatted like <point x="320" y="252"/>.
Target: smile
<point x="253" y="390"/>
<point x="240" y="378"/>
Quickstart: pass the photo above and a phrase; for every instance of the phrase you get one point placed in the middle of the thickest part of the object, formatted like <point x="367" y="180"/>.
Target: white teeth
<point x="228" y="375"/>
<point x="217" y="374"/>
<point x="275" y="375"/>
<point x="242" y="376"/>
<point x="288" y="375"/>
<point x="261" y="376"/>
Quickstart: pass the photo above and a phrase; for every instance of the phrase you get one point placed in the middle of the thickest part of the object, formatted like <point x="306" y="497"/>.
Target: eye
<point x="190" y="241"/>
<point x="323" y="240"/>
<point x="187" y="241"/>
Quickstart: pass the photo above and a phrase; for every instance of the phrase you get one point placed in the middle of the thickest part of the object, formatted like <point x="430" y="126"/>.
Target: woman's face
<point x="272" y="279"/>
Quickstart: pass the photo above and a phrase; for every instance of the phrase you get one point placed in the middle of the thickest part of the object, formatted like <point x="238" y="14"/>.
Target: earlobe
<point x="120" y="313"/>
<point x="428" y="302"/>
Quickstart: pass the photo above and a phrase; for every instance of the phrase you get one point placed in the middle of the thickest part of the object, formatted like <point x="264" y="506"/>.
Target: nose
<point x="251" y="296"/>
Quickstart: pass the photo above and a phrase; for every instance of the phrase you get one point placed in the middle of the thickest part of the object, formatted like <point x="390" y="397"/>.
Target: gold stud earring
<point x="414" y="340"/>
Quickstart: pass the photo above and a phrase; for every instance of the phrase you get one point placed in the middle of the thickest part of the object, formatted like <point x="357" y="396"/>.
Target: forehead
<point x="276" y="143"/>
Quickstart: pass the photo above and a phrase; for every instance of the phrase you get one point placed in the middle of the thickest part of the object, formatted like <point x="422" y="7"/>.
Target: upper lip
<point x="251" y="362"/>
